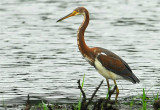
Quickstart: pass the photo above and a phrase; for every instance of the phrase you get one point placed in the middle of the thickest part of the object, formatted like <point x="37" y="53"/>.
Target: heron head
<point x="77" y="11"/>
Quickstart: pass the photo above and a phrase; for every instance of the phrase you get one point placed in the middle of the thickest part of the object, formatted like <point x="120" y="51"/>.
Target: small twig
<point x="79" y="86"/>
<point x="28" y="99"/>
<point x="94" y="94"/>
<point x="28" y="106"/>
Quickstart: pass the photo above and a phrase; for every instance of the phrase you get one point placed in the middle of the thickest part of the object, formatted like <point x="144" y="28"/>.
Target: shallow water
<point x="40" y="57"/>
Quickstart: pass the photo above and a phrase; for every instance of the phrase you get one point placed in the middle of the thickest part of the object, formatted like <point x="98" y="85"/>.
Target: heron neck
<point x="84" y="49"/>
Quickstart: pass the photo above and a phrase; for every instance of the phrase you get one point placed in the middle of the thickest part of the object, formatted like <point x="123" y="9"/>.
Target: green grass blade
<point x="108" y="92"/>
<point x="144" y="103"/>
<point x="44" y="106"/>
<point x="83" y="80"/>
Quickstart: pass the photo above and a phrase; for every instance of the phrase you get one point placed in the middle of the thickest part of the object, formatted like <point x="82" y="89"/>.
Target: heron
<point x="107" y="63"/>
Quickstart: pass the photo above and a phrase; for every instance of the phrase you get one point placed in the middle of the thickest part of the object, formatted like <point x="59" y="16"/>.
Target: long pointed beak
<point x="69" y="15"/>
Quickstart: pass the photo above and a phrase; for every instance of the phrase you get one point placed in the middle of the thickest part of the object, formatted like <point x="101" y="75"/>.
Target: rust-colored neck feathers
<point x="84" y="49"/>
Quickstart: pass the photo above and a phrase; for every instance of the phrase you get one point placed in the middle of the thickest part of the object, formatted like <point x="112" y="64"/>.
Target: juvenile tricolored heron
<point x="108" y="64"/>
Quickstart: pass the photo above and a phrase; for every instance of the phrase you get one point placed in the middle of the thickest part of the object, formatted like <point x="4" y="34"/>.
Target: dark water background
<point x="40" y="57"/>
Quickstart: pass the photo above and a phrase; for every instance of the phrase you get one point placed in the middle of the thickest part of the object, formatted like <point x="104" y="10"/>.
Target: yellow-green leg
<point x="108" y="84"/>
<point x="109" y="92"/>
<point x="117" y="90"/>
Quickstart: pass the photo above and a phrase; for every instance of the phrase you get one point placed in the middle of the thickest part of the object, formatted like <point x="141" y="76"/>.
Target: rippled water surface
<point x="40" y="57"/>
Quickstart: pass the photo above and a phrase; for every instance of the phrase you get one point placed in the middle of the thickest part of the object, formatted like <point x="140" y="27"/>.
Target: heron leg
<point x="108" y="94"/>
<point x="117" y="90"/>
<point x="108" y="84"/>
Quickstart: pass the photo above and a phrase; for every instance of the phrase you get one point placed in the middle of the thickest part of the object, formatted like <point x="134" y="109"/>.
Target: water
<point x="40" y="57"/>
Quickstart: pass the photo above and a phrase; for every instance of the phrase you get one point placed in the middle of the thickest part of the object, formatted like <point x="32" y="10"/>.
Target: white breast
<point x="104" y="72"/>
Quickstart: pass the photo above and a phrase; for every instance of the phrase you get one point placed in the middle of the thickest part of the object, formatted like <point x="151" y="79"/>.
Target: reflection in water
<point x="40" y="57"/>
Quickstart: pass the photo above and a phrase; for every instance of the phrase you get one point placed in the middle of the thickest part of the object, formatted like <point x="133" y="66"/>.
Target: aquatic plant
<point x="44" y="106"/>
<point x="144" y="102"/>
<point x="108" y="92"/>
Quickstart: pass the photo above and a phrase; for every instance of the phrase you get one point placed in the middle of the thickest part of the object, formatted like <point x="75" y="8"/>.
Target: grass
<point x="41" y="105"/>
<point x="148" y="101"/>
<point x="132" y="102"/>
<point x="44" y="106"/>
<point x="108" y="92"/>
<point x="155" y="97"/>
<point x="144" y="102"/>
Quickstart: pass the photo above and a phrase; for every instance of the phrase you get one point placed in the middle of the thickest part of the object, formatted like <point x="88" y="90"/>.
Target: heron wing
<point x="113" y="55"/>
<point x="115" y="64"/>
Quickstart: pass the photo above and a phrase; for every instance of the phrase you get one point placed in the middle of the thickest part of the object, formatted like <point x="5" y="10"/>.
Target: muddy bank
<point x="140" y="102"/>
<point x="123" y="104"/>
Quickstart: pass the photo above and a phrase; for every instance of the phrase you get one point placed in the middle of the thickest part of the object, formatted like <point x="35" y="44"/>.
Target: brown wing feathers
<point x="117" y="66"/>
